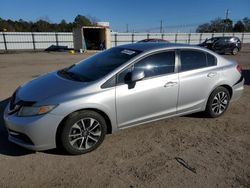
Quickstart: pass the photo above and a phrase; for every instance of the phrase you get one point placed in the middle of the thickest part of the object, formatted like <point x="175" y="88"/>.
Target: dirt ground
<point x="144" y="156"/>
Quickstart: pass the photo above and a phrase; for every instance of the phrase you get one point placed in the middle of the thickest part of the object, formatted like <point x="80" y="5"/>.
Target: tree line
<point x="45" y="26"/>
<point x="216" y="25"/>
<point x="225" y="25"/>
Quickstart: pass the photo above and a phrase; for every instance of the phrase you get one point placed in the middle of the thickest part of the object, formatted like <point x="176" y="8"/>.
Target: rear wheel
<point x="235" y="51"/>
<point x="83" y="132"/>
<point x="218" y="102"/>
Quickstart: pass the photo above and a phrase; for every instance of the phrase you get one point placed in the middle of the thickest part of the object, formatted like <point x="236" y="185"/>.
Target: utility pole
<point x="127" y="28"/>
<point x="227" y="12"/>
<point x="161" y="27"/>
<point x="225" y="21"/>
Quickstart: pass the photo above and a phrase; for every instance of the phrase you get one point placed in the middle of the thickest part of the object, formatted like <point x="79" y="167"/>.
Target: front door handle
<point x="170" y="84"/>
<point x="212" y="74"/>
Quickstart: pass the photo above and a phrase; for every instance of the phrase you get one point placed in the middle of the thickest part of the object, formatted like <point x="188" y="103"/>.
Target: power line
<point x="163" y="27"/>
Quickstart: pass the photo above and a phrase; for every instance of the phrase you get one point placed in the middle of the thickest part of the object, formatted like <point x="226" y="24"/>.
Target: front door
<point x="151" y="98"/>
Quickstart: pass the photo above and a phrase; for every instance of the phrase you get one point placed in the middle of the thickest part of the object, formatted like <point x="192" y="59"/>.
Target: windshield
<point x="212" y="40"/>
<point x="100" y="64"/>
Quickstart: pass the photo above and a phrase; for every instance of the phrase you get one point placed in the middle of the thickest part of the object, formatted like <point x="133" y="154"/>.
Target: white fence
<point x="33" y="41"/>
<point x="187" y="38"/>
<point x="40" y="40"/>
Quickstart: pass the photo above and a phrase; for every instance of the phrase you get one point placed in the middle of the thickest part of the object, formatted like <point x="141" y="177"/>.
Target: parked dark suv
<point x="223" y="44"/>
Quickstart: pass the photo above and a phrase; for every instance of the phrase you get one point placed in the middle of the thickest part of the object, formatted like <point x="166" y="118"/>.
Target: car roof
<point x="153" y="39"/>
<point x="227" y="37"/>
<point x="153" y="45"/>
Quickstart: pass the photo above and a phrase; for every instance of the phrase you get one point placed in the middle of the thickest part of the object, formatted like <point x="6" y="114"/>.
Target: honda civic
<point x="74" y="108"/>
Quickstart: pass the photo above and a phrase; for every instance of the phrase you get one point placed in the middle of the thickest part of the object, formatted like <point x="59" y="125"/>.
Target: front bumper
<point x="34" y="133"/>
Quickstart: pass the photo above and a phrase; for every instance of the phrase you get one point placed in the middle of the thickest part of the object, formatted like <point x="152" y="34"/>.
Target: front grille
<point x="20" y="136"/>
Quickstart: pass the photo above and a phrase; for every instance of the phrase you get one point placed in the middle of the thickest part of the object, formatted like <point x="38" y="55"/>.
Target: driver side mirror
<point x="134" y="76"/>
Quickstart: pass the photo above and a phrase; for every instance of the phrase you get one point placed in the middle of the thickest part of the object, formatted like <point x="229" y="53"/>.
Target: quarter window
<point x="211" y="60"/>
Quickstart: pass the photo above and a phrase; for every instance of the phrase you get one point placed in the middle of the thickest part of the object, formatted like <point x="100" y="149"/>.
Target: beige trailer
<point x="92" y="38"/>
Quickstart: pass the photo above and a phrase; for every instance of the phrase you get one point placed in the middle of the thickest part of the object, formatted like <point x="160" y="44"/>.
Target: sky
<point x="140" y="15"/>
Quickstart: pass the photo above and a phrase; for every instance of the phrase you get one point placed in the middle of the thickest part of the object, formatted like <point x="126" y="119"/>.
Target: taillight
<point x="239" y="69"/>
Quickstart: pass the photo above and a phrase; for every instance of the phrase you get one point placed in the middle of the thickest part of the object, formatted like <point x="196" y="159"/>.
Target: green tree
<point x="204" y="28"/>
<point x="81" y="21"/>
<point x="246" y="22"/>
<point x="42" y="26"/>
<point x="216" y="25"/>
<point x="228" y="25"/>
<point x="239" y="27"/>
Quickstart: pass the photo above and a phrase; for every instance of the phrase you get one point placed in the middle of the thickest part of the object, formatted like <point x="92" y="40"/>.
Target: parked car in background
<point x="74" y="108"/>
<point x="152" y="40"/>
<point x="223" y="44"/>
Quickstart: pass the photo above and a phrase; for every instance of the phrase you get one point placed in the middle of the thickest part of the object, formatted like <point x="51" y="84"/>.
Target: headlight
<point x="35" y="110"/>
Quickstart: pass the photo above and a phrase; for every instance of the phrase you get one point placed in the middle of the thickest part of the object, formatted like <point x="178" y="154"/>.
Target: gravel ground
<point x="144" y="156"/>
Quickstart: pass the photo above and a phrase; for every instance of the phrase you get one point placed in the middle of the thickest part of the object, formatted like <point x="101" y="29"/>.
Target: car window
<point x="211" y="60"/>
<point x="121" y="76"/>
<point x="153" y="65"/>
<point x="211" y="40"/>
<point x="191" y="59"/>
<point x="221" y="41"/>
<point x="102" y="63"/>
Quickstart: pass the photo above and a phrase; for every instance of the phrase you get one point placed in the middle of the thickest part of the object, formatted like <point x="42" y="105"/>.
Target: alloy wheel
<point x="85" y="134"/>
<point x="235" y="51"/>
<point x="220" y="102"/>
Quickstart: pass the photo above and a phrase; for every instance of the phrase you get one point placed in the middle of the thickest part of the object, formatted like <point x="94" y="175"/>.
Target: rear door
<point x="198" y="75"/>
<point x="153" y="97"/>
<point x="221" y="45"/>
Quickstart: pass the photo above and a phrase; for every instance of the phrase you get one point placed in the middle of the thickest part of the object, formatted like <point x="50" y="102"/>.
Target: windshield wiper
<point x="72" y="76"/>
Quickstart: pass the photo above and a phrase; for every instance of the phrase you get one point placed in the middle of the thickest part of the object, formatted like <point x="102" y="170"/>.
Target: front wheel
<point x="218" y="102"/>
<point x="83" y="132"/>
<point x="235" y="51"/>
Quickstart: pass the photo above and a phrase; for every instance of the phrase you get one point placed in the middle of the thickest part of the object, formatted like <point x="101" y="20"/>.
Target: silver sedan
<point x="74" y="108"/>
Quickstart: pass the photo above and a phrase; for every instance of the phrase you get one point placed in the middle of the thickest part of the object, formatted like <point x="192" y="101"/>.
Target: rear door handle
<point x="212" y="74"/>
<point x="170" y="84"/>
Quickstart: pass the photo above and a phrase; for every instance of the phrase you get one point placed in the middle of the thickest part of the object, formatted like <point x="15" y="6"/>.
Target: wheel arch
<point x="105" y="116"/>
<point x="228" y="87"/>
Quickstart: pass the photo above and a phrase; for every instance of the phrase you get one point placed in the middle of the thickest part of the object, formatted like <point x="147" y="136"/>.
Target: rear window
<point x="194" y="59"/>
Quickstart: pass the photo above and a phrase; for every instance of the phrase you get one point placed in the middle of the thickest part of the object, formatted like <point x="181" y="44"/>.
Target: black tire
<point x="211" y="103"/>
<point x="76" y="119"/>
<point x="235" y="51"/>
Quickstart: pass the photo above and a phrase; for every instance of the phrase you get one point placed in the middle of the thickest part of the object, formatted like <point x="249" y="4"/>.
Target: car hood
<point x="47" y="86"/>
<point x="202" y="44"/>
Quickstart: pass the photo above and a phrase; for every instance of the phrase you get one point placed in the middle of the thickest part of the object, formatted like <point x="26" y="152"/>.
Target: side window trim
<point x="147" y="55"/>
